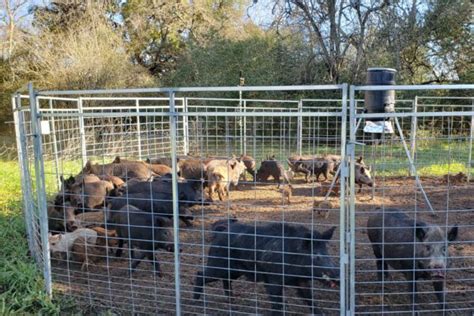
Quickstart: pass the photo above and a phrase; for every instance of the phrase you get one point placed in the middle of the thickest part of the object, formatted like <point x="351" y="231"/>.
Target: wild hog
<point x="123" y="170"/>
<point x="63" y="242"/>
<point x="221" y="176"/>
<point x="86" y="252"/>
<point x="61" y="217"/>
<point x="192" y="169"/>
<point x="457" y="179"/>
<point x="144" y="232"/>
<point x="415" y="248"/>
<point x="159" y="203"/>
<point x="305" y="257"/>
<point x="116" y="181"/>
<point x="274" y="169"/>
<point x="250" y="165"/>
<point x="315" y="166"/>
<point x="363" y="176"/>
<point x="90" y="195"/>
<point x="89" y="219"/>
<point x="286" y="191"/>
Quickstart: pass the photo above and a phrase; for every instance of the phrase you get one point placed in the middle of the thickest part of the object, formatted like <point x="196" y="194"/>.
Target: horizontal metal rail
<point x="192" y="89"/>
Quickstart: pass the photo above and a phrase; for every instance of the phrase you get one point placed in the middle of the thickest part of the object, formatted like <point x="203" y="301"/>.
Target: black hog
<point x="272" y="168"/>
<point x="315" y="166"/>
<point x="304" y="257"/>
<point x="250" y="165"/>
<point x="61" y="215"/>
<point x="157" y="203"/>
<point x="413" y="247"/>
<point x="144" y="232"/>
<point x="190" y="192"/>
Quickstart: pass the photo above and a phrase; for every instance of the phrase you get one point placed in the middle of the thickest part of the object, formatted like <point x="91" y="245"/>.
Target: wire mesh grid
<point x="256" y="247"/>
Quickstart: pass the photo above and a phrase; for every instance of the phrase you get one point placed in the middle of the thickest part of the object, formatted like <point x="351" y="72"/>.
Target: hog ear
<point x="88" y="166"/>
<point x="327" y="235"/>
<point x="50" y="235"/>
<point x="61" y="178"/>
<point x="148" y="160"/>
<point x="289" y="163"/>
<point x="453" y="233"/>
<point x="360" y="160"/>
<point x="420" y="231"/>
<point x="362" y="170"/>
<point x="116" y="160"/>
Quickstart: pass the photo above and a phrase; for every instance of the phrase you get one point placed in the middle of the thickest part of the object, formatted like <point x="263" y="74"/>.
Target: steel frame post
<point x="26" y="187"/>
<point x="299" y="129"/>
<point x="351" y="223"/>
<point x="185" y="127"/>
<point x="40" y="187"/>
<point x="177" y="278"/>
<point x="82" y="132"/>
<point x="471" y="136"/>
<point x="413" y="132"/>
<point x="55" y="145"/>
<point x="244" y="128"/>
<point x="139" y="132"/>
<point x="342" y="211"/>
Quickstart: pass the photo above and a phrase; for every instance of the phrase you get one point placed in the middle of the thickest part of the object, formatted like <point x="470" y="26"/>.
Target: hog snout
<point x="437" y="271"/>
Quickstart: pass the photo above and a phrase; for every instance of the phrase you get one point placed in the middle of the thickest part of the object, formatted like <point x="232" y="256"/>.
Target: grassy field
<point x="21" y="283"/>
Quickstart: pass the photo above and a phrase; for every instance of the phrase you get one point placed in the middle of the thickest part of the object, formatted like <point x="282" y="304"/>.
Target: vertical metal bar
<point x="185" y="127"/>
<point x="139" y="132"/>
<point x="342" y="203"/>
<point x="241" y="132"/>
<point x="24" y="172"/>
<point x="351" y="153"/>
<point x="244" y="127"/>
<point x="414" y="126"/>
<point x="299" y="130"/>
<point x="55" y="144"/>
<point x="173" y="122"/>
<point x="412" y="165"/>
<point x="82" y="132"/>
<point x="40" y="187"/>
<point x="471" y="136"/>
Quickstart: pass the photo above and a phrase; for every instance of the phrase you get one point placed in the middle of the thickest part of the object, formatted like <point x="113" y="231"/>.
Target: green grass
<point x="21" y="283"/>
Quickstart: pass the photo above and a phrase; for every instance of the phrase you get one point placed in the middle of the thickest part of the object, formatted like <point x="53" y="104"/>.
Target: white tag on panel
<point x="45" y="129"/>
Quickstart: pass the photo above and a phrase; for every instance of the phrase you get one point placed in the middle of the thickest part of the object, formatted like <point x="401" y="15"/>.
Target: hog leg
<point x="277" y="180"/>
<point x="137" y="257"/>
<point x="211" y="190"/>
<point x="439" y="291"/>
<point x="275" y="291"/>
<point x="412" y="289"/>
<point x="209" y="275"/>
<point x="379" y="262"/>
<point x="305" y="293"/>
<point x="118" y="253"/>
<point x="360" y="188"/>
<point x="154" y="261"/>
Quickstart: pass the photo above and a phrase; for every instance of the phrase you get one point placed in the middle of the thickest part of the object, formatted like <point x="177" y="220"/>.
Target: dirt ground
<point x="109" y="286"/>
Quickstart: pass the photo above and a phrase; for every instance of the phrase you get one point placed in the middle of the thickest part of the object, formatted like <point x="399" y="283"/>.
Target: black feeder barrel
<point x="380" y="101"/>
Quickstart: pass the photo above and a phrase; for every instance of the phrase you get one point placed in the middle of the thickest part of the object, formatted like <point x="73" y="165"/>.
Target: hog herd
<point x="126" y="201"/>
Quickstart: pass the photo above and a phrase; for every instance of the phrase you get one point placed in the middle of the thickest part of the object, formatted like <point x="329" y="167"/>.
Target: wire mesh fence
<point x="262" y="200"/>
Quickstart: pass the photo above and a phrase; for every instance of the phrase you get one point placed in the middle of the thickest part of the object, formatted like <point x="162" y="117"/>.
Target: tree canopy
<point x="70" y="44"/>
